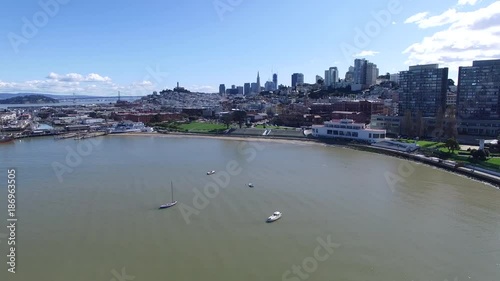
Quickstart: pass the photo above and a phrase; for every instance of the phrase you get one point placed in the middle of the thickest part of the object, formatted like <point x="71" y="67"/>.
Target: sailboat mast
<point x="172" y="188"/>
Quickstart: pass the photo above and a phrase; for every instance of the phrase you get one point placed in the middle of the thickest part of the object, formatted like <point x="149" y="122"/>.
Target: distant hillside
<point x="57" y="97"/>
<point x="60" y="97"/>
<point x="30" y="99"/>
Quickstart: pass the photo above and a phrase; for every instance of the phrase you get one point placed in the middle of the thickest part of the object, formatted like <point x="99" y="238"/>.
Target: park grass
<point x="492" y="163"/>
<point x="424" y="144"/>
<point x="202" y="127"/>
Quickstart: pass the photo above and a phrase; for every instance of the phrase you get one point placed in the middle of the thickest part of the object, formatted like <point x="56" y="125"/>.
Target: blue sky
<point x="101" y="47"/>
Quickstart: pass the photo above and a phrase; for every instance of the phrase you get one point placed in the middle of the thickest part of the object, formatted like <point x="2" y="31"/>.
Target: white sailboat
<point x="172" y="203"/>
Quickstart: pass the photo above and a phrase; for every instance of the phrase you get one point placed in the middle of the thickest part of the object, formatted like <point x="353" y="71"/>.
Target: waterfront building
<point x="478" y="98"/>
<point x="423" y="90"/>
<point x="349" y="130"/>
<point x="392" y="124"/>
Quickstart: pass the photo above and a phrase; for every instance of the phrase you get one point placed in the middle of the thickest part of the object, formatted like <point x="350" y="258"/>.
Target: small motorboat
<point x="6" y="139"/>
<point x="274" y="217"/>
<point x="210" y="173"/>
<point x="250" y="185"/>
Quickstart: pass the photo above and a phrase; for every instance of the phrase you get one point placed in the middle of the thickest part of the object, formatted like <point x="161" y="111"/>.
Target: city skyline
<point x="73" y="49"/>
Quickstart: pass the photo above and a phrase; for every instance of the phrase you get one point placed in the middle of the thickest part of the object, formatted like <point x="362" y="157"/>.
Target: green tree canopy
<point x="452" y="145"/>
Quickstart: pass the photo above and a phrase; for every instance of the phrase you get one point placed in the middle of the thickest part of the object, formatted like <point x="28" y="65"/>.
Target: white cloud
<point x="91" y="84"/>
<point x="468" y="2"/>
<point x="473" y="35"/>
<point x="366" y="53"/>
<point x="416" y="17"/>
<point x="447" y="17"/>
<point x="94" y="77"/>
<point x="75" y="77"/>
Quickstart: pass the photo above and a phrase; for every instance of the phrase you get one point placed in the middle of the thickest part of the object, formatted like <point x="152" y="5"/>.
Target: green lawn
<point x="494" y="161"/>
<point x="491" y="163"/>
<point x="422" y="143"/>
<point x="202" y="127"/>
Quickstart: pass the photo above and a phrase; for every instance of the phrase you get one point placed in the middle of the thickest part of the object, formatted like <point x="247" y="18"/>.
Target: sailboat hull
<point x="171" y="204"/>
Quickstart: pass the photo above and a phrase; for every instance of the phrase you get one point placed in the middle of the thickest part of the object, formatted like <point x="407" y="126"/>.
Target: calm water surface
<point x="99" y="217"/>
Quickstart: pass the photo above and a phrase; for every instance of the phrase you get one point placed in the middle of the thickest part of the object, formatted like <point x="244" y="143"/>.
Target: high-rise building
<point x="334" y="72"/>
<point x="269" y="86"/>
<point x="371" y="74"/>
<point x="423" y="90"/>
<point x="331" y="76"/>
<point x="349" y="77"/>
<point x="318" y="78"/>
<point x="360" y="71"/>
<point x="297" y="79"/>
<point x="478" y="98"/>
<point x="327" y="78"/>
<point x="254" y="88"/>
<point x="275" y="81"/>
<point x="240" y="90"/>
<point x="222" y="89"/>
<point x="394" y="78"/>
<point x="247" y="88"/>
<point x="258" y="83"/>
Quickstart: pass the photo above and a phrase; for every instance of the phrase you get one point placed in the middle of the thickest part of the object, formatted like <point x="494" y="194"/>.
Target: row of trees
<point x="445" y="125"/>
<point x="238" y="116"/>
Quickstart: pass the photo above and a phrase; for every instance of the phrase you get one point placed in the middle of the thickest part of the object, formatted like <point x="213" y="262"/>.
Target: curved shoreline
<point x="483" y="177"/>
